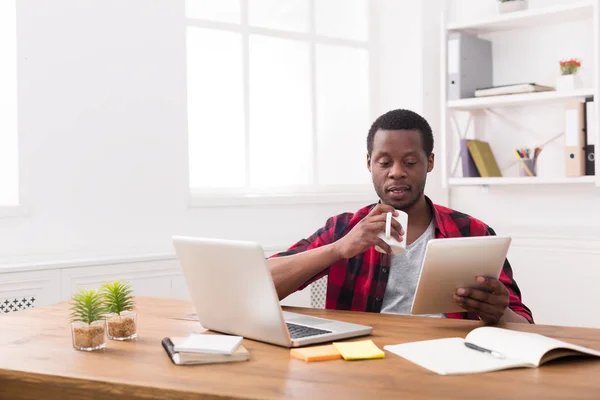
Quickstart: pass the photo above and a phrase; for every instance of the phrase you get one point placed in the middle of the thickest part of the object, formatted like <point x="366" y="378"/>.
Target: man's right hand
<point x="364" y="234"/>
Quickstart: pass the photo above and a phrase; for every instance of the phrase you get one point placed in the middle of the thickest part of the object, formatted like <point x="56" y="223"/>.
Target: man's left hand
<point x="490" y="305"/>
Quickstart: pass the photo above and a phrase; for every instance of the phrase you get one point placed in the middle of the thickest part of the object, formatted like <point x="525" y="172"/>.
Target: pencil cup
<point x="527" y="167"/>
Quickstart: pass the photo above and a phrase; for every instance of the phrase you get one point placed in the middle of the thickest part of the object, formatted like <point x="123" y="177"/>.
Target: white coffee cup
<point x="396" y="246"/>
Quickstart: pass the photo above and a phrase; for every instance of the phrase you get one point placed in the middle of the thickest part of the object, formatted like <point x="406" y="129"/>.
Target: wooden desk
<point x="37" y="361"/>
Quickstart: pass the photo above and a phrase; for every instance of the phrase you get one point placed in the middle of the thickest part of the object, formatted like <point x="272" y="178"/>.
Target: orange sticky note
<point x="316" y="353"/>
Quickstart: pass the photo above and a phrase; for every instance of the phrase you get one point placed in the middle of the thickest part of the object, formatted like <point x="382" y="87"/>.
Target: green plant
<point x="117" y="297"/>
<point x="88" y="306"/>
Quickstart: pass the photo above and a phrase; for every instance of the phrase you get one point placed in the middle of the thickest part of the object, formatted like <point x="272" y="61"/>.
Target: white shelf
<point x="532" y="17"/>
<point x="518" y="99"/>
<point x="520" y="181"/>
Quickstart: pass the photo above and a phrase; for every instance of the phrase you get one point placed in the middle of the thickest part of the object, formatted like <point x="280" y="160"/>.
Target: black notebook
<point x="187" y="358"/>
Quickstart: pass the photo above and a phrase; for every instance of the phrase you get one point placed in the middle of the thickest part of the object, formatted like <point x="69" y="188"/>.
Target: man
<point x="399" y="157"/>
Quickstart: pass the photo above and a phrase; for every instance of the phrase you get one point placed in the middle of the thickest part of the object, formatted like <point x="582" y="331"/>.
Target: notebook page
<point x="526" y="346"/>
<point x="450" y="356"/>
<point x="209" y="343"/>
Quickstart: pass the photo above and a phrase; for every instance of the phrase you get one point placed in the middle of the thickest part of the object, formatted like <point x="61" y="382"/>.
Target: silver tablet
<point x="456" y="262"/>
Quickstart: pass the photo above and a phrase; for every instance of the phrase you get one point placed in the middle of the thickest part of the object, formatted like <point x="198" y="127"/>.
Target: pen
<point x="483" y="350"/>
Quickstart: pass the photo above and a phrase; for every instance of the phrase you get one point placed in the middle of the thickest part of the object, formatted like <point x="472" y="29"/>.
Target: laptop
<point x="231" y="288"/>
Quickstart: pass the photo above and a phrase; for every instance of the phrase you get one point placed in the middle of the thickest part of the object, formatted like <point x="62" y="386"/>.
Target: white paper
<point x="450" y="357"/>
<point x="206" y="343"/>
<point x="453" y="56"/>
<point x="572" y="128"/>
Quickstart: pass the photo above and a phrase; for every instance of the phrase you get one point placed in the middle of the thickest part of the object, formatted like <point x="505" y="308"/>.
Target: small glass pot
<point x="122" y="327"/>
<point x="89" y="337"/>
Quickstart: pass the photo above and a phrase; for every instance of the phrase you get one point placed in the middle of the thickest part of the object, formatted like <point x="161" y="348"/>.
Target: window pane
<point x="288" y="15"/>
<point x="345" y="19"/>
<point x="215" y="108"/>
<point x="9" y="185"/>
<point x="214" y="10"/>
<point x="280" y="115"/>
<point x="342" y="115"/>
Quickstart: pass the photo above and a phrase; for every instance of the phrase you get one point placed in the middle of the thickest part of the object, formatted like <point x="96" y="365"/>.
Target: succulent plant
<point x="87" y="307"/>
<point x="117" y="297"/>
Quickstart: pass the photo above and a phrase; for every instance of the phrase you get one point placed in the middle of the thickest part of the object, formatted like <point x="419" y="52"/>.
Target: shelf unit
<point x="518" y="99"/>
<point x="520" y="181"/>
<point x="533" y="17"/>
<point x="526" y="18"/>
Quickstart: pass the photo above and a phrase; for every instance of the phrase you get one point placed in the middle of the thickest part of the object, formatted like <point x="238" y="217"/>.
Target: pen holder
<point x="527" y="167"/>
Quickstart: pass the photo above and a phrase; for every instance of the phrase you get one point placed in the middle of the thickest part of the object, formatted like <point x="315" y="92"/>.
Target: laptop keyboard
<point x="300" y="331"/>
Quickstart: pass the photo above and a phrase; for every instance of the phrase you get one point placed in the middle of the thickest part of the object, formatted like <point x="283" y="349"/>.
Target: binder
<point x="575" y="139"/>
<point x="590" y="131"/>
<point x="469" y="65"/>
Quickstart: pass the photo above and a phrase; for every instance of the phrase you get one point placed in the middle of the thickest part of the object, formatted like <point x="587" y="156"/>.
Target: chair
<point x="318" y="293"/>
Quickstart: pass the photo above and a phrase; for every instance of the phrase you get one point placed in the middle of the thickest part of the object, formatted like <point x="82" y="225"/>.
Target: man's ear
<point x="430" y="162"/>
<point x="369" y="162"/>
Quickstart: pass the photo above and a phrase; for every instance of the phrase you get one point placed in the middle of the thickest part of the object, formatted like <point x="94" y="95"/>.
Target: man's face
<point x="399" y="167"/>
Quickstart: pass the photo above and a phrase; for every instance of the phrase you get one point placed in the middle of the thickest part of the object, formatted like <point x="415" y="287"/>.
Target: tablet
<point x="456" y="262"/>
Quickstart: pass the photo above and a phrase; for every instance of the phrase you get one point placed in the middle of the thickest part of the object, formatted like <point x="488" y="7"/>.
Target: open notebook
<point x="507" y="349"/>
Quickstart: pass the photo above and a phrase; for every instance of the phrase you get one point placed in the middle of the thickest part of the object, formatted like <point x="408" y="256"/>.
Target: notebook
<point x="185" y="358"/>
<point x="484" y="159"/>
<point x="209" y="343"/>
<point x="491" y="349"/>
<point x="512" y="89"/>
<point x="359" y="350"/>
<point x="316" y="353"/>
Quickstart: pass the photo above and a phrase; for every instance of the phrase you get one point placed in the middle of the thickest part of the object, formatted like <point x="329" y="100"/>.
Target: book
<point x="209" y="343"/>
<point x="512" y="89"/>
<point x="316" y="353"/>
<point x="468" y="166"/>
<point x="187" y="358"/>
<point x="359" y="350"/>
<point x="483" y="158"/>
<point x="487" y="349"/>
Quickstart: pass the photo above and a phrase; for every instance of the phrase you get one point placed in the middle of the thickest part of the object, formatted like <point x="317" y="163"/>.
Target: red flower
<point x="571" y="62"/>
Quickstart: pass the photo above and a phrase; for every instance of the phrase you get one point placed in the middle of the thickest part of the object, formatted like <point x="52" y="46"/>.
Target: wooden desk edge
<point x="16" y="384"/>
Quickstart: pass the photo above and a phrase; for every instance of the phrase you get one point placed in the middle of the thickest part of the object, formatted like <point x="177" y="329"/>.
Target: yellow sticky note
<point x="318" y="353"/>
<point x="364" y="349"/>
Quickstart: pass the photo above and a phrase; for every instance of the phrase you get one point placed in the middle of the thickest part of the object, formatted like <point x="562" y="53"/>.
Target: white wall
<point x="103" y="138"/>
<point x="103" y="143"/>
<point x="555" y="249"/>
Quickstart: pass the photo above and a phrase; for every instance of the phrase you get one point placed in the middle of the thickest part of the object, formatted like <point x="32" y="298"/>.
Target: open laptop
<point x="232" y="291"/>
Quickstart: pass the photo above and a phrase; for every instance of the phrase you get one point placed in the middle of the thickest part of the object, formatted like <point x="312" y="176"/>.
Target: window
<point x="278" y="96"/>
<point x="9" y="186"/>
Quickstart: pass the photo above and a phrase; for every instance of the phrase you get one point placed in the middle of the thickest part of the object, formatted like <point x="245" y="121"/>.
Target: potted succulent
<point x="505" y="6"/>
<point x="568" y="78"/>
<point x="122" y="320"/>
<point x="87" y="320"/>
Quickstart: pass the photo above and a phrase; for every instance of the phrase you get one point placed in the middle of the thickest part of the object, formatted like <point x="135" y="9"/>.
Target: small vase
<point x="512" y="6"/>
<point x="568" y="82"/>
<point x="88" y="337"/>
<point x="122" y="327"/>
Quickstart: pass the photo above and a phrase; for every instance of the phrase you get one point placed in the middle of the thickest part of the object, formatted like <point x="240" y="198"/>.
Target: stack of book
<point x="518" y="88"/>
<point x="478" y="159"/>
<point x="205" y="349"/>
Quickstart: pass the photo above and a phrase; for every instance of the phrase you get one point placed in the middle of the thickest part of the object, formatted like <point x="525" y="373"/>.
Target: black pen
<point x="483" y="350"/>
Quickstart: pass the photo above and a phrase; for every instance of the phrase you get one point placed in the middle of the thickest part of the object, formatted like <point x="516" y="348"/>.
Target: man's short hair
<point x="402" y="119"/>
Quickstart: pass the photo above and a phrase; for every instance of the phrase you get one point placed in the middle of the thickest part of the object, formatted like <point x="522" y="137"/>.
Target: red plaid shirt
<point x="359" y="283"/>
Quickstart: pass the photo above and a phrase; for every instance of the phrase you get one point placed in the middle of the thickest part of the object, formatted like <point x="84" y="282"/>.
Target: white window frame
<point x="18" y="209"/>
<point x="305" y="194"/>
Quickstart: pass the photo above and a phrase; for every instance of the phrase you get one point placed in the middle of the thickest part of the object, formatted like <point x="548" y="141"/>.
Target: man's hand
<point x="364" y="234"/>
<point x="490" y="305"/>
